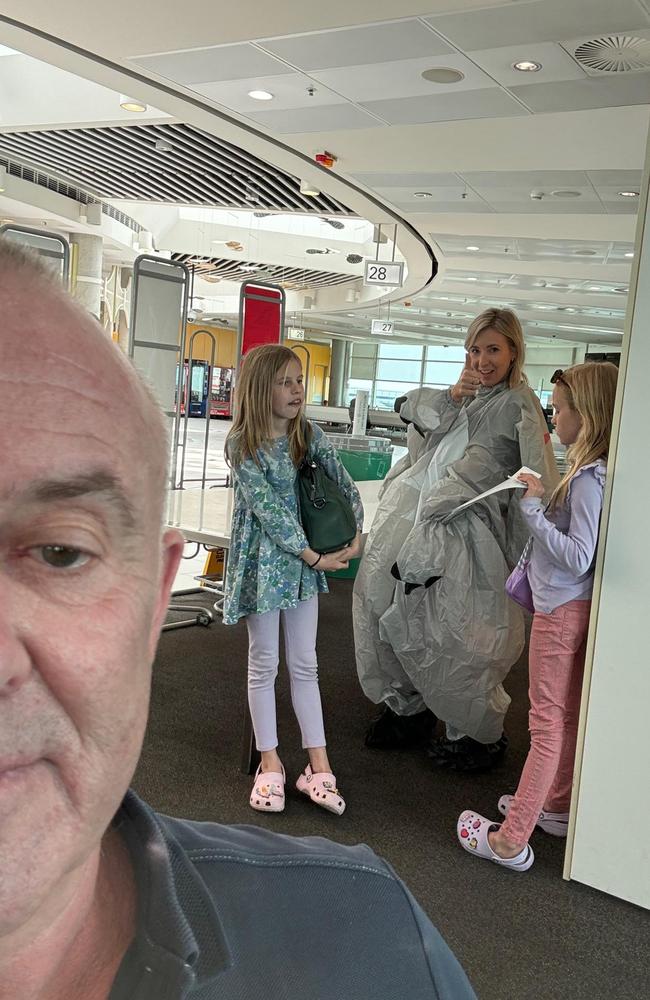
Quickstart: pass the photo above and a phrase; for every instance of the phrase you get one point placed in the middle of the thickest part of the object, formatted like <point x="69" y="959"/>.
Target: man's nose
<point x="15" y="662"/>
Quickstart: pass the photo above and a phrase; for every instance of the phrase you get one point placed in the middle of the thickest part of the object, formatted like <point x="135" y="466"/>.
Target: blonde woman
<point x="560" y="574"/>
<point x="440" y="640"/>
<point x="273" y="575"/>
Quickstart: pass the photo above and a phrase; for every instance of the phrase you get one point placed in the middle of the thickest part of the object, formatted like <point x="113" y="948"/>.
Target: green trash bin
<point x="364" y="458"/>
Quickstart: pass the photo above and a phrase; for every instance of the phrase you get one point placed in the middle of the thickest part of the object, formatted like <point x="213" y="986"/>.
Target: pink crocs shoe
<point x="268" y="791"/>
<point x="321" y="789"/>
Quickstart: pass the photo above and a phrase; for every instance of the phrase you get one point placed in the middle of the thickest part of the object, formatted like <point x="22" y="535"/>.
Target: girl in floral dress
<point x="273" y="575"/>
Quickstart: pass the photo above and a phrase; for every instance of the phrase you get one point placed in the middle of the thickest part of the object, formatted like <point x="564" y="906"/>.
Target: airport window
<point x="388" y="371"/>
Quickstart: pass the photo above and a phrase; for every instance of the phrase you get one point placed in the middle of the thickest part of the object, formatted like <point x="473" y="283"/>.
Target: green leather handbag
<point x="327" y="517"/>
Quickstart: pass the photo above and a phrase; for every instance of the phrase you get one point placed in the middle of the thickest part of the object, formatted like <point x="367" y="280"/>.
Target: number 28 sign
<point x="380" y="272"/>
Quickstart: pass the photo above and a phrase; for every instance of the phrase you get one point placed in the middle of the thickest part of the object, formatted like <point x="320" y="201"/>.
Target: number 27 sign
<point x="379" y="272"/>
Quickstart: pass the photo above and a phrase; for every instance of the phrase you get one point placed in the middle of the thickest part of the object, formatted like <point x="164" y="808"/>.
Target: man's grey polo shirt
<point x="239" y="913"/>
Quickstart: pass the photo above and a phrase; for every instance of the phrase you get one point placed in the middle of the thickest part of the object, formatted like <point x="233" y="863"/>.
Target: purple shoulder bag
<point x="517" y="585"/>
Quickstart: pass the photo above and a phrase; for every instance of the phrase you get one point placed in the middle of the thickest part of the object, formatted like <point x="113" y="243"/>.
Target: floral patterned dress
<point x="265" y="571"/>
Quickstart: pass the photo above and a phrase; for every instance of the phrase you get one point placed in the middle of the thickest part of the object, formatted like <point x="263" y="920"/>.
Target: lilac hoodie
<point x="564" y="541"/>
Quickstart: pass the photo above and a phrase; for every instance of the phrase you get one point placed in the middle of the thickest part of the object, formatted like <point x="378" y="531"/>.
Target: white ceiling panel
<point x="569" y="251"/>
<point x="446" y="207"/>
<point x="445" y="192"/>
<point x="408" y="39"/>
<point x="538" y="21"/>
<point x="580" y="95"/>
<point x="402" y="78"/>
<point x="492" y="103"/>
<point x="555" y="62"/>
<point x="546" y="180"/>
<point x="620" y="179"/>
<point x="324" y="119"/>
<point x="548" y="206"/>
<point x="292" y="90"/>
<point x="416" y="182"/>
<point x="620" y="206"/>
<point x="219" y="62"/>
<point x="497" y="195"/>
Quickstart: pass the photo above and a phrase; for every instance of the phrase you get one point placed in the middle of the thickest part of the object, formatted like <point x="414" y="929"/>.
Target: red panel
<point x="262" y="317"/>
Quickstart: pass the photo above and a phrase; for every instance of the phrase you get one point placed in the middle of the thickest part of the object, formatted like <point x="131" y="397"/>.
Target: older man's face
<point x="83" y="585"/>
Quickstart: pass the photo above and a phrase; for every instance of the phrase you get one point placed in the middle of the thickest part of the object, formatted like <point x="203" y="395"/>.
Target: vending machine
<point x="197" y="384"/>
<point x="221" y="392"/>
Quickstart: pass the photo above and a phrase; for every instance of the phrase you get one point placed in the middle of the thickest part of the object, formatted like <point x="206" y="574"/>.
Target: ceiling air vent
<point x="615" y="54"/>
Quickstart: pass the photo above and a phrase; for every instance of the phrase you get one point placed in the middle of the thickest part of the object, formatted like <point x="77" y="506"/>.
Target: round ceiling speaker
<point x="443" y="74"/>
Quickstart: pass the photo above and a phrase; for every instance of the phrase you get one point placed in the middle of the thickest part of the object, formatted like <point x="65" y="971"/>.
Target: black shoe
<point x="390" y="731"/>
<point x="467" y="754"/>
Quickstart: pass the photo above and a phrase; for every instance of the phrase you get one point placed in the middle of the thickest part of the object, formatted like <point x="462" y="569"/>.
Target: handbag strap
<point x="524" y="558"/>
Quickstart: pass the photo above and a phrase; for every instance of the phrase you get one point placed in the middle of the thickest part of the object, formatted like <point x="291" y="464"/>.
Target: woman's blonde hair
<point x="505" y="322"/>
<point x="590" y="390"/>
<point x="253" y="424"/>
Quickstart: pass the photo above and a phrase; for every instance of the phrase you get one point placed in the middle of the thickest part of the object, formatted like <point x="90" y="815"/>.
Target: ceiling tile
<point x="555" y="62"/>
<point x="539" y="21"/>
<point x="447" y="193"/>
<point x="548" y="207"/>
<point x="323" y="119"/>
<point x="526" y="179"/>
<point x="581" y="95"/>
<point x="403" y="78"/>
<point x="620" y="206"/>
<point x="444" y="207"/>
<point x="289" y="91"/>
<point x="219" y="62"/>
<point x="408" y="39"/>
<point x="620" y="179"/>
<point x="489" y="103"/>
<point x="414" y="181"/>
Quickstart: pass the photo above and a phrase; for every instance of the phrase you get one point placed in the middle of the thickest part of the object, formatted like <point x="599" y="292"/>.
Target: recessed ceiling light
<point x="629" y="194"/>
<point x="442" y="74"/>
<point x="565" y="193"/>
<point x="260" y="95"/>
<point x="471" y="279"/>
<point x="628" y="254"/>
<point x="422" y="194"/>
<point x="527" y="66"/>
<point x="472" y="248"/>
<point x="130" y="104"/>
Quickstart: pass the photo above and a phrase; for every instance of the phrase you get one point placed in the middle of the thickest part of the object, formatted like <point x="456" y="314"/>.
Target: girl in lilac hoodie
<point x="560" y="573"/>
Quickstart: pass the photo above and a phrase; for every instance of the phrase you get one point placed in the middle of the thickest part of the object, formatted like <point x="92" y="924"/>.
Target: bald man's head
<point x="85" y="576"/>
<point x="45" y="330"/>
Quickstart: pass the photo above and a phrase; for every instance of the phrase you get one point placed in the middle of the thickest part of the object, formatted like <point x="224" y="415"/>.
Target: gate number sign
<point x="384" y="326"/>
<point x="379" y="272"/>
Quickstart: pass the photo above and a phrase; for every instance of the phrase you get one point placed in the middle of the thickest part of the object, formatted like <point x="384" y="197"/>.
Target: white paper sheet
<point x="508" y="484"/>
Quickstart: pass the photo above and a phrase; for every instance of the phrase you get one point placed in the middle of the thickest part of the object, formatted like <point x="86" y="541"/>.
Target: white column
<point x="611" y="805"/>
<point x="88" y="285"/>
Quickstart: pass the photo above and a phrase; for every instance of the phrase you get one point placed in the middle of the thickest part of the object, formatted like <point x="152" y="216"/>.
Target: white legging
<point x="299" y="625"/>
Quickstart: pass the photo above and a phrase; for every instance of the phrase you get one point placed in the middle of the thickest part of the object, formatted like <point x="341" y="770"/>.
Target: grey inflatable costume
<point x="446" y="635"/>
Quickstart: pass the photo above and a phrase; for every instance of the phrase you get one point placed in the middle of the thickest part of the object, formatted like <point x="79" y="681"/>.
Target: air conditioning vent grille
<point x="615" y="54"/>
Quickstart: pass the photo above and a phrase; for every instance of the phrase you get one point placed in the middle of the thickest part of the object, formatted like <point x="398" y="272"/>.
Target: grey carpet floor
<point x="518" y="936"/>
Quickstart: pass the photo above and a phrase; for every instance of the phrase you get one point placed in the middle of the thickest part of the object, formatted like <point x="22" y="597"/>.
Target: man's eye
<point x="62" y="557"/>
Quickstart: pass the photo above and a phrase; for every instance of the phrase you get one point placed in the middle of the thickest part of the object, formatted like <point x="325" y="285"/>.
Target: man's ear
<point x="172" y="550"/>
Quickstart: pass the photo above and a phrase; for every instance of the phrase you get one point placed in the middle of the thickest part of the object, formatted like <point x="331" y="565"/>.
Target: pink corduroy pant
<point x="556" y="665"/>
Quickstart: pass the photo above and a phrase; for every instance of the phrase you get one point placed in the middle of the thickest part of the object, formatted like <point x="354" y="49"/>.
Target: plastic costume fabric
<point x="445" y="635"/>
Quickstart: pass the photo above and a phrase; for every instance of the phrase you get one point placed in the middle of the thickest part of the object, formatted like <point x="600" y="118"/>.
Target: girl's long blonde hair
<point x="253" y="424"/>
<point x="590" y="390"/>
<point x="505" y="322"/>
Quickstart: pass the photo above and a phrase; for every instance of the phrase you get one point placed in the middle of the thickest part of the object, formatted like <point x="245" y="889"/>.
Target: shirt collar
<point x="180" y="939"/>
